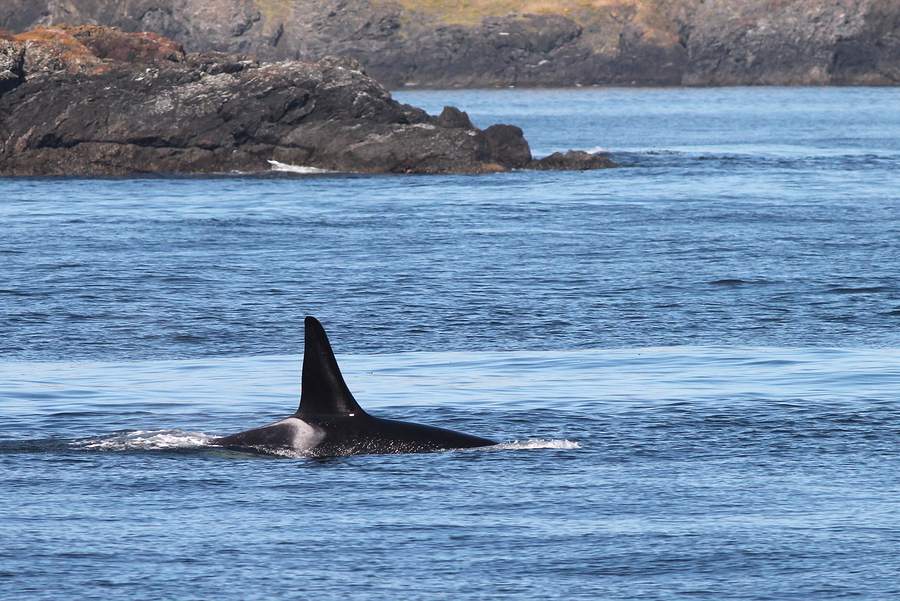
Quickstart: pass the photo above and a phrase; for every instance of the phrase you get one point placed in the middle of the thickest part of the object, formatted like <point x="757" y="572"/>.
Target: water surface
<point x="692" y="362"/>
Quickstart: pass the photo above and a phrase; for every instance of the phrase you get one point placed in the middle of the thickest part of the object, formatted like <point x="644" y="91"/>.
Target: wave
<point x="536" y="443"/>
<point x="153" y="440"/>
<point x="507" y="446"/>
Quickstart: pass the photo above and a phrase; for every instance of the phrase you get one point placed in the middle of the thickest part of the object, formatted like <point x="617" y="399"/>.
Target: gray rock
<point x="12" y="62"/>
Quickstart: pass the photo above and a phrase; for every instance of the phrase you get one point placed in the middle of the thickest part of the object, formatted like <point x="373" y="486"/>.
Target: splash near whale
<point x="329" y="421"/>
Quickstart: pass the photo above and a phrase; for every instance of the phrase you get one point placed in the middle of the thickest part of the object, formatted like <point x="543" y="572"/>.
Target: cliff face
<point x="794" y="42"/>
<point x="445" y="43"/>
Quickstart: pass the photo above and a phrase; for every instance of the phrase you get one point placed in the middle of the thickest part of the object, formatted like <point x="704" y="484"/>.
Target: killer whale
<point x="330" y="423"/>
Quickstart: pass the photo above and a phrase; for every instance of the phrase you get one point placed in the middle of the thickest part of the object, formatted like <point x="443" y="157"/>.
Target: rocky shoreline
<point x="498" y="43"/>
<point x="98" y="101"/>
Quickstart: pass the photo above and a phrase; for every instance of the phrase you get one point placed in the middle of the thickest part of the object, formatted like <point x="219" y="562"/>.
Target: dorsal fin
<point x="323" y="390"/>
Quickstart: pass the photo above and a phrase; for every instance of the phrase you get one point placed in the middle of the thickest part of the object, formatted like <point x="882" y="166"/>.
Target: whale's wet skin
<point x="329" y="421"/>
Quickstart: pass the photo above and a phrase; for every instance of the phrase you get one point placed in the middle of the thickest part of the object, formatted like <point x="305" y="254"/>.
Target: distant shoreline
<point x="444" y="44"/>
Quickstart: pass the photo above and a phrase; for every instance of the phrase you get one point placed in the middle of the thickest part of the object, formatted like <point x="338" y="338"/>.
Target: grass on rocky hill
<point x="603" y="18"/>
<point x="471" y="12"/>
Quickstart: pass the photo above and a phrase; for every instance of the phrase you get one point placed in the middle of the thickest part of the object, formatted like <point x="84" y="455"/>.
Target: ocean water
<point x="692" y="362"/>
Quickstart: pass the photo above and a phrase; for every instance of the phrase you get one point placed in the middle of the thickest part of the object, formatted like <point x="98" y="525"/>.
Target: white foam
<point x="277" y="166"/>
<point x="145" y="440"/>
<point x="535" y="443"/>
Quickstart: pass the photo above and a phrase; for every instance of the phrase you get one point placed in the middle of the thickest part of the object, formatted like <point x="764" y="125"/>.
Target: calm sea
<point x="693" y="361"/>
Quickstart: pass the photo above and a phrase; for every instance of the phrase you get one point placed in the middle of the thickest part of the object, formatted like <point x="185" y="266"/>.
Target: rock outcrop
<point x="94" y="100"/>
<point x="573" y="160"/>
<point x="444" y="43"/>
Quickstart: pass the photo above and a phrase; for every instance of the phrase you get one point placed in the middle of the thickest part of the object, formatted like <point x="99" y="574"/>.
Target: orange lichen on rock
<point x="52" y="48"/>
<point x="144" y="48"/>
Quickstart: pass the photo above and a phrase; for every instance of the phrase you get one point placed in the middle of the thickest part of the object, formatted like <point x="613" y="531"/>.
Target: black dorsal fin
<point x="323" y="390"/>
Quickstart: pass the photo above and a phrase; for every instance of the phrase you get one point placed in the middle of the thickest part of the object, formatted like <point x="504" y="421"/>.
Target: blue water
<point x="693" y="362"/>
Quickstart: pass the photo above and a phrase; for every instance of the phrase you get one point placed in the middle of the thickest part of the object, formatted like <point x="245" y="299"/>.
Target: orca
<point x="330" y="423"/>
